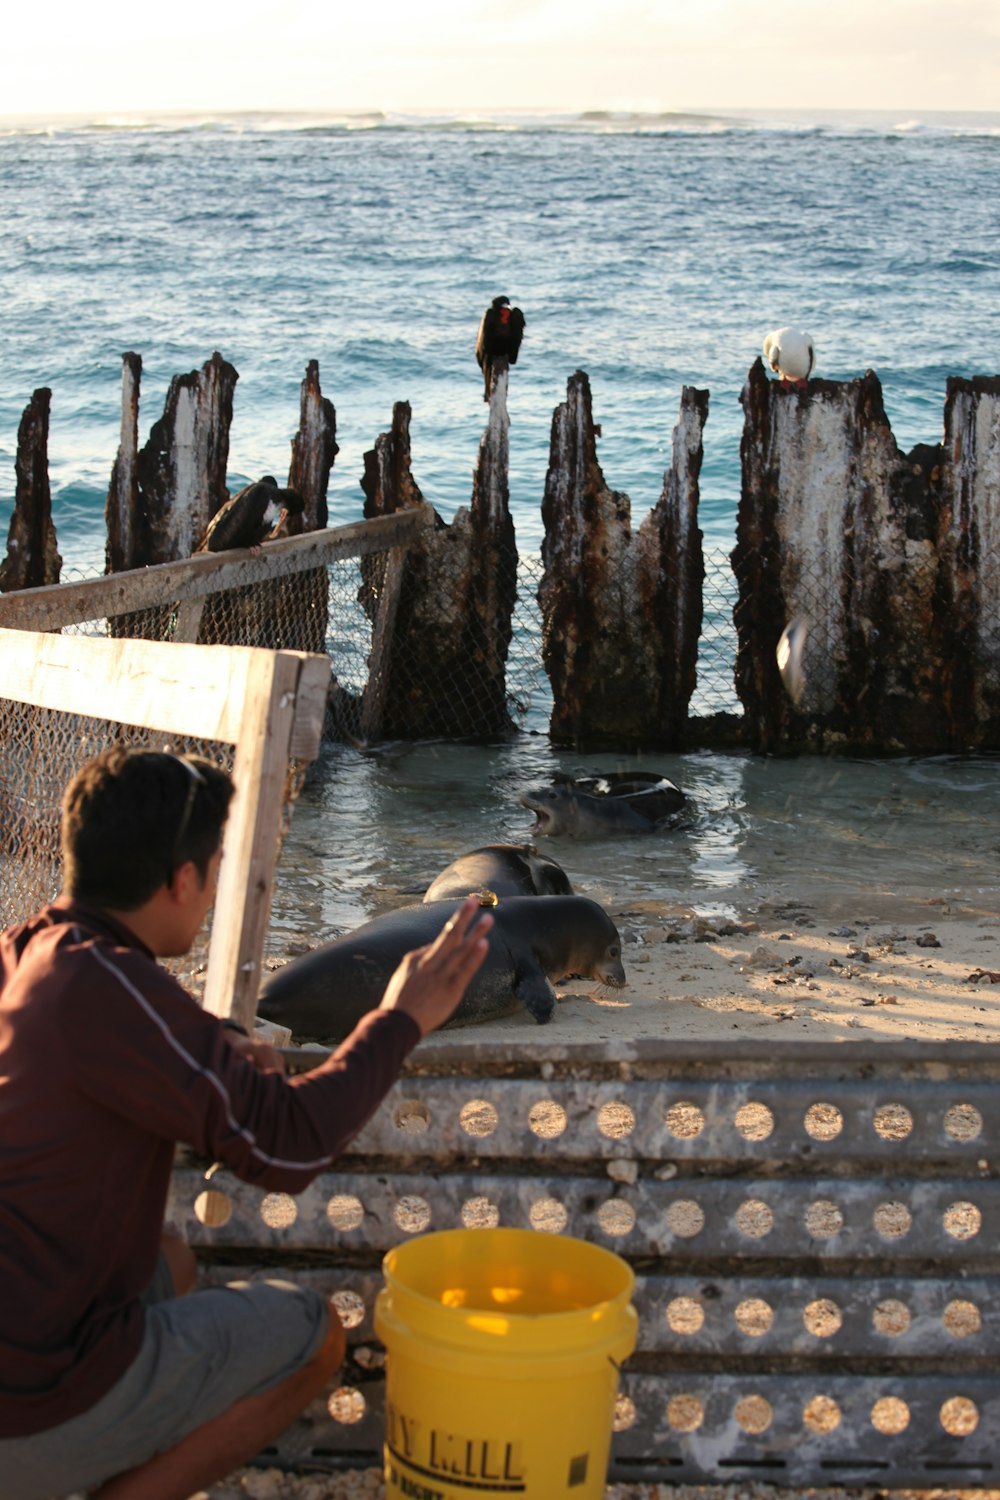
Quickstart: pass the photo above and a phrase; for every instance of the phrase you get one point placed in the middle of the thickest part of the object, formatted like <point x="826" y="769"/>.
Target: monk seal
<point x="504" y="869"/>
<point x="604" y="806"/>
<point x="322" y="996"/>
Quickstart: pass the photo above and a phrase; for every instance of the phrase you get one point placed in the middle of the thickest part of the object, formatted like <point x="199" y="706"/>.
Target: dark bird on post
<point x="500" y="334"/>
<point x="257" y="513"/>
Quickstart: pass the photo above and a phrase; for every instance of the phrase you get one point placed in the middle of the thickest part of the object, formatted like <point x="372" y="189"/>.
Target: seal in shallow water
<point x="604" y="806"/>
<point x="322" y="996"/>
<point x="504" y="869"/>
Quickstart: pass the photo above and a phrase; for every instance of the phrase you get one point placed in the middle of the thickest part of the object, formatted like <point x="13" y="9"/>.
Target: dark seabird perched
<point x="500" y="333"/>
<point x="257" y="513"/>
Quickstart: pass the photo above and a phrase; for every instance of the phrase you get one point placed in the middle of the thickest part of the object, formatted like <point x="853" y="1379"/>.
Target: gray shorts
<point x="200" y="1354"/>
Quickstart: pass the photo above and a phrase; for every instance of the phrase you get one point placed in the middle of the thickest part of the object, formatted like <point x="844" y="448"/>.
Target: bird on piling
<point x="258" y="513"/>
<point x="791" y="354"/>
<point x="500" y="332"/>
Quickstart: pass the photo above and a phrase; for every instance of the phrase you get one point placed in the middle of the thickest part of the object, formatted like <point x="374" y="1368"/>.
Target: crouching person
<point x="111" y="1379"/>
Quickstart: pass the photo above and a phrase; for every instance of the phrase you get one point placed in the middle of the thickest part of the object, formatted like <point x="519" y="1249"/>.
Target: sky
<point x="110" y="57"/>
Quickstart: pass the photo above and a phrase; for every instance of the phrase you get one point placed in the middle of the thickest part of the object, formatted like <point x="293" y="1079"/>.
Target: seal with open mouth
<point x="604" y="806"/>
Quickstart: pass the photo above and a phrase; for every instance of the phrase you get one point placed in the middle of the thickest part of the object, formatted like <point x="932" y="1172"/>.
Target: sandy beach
<point x="824" y="969"/>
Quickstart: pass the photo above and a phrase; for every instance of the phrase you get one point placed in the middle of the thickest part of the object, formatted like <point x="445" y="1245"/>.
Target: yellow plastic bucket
<point x="503" y="1351"/>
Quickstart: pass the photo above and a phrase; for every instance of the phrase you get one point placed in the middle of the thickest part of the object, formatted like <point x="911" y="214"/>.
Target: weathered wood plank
<point x="243" y="903"/>
<point x="56" y="605"/>
<point x="377" y="686"/>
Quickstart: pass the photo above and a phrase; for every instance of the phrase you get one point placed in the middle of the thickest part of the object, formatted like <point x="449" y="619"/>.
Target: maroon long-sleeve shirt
<point x="106" y="1062"/>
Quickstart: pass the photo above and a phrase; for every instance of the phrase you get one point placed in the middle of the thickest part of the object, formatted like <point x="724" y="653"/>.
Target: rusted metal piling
<point x="621" y="610"/>
<point x="887" y="561"/>
<point x="32" y="558"/>
<point x="442" y="669"/>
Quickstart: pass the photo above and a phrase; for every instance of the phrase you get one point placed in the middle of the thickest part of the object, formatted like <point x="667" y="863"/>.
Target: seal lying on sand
<point x="603" y="806"/>
<point x="504" y="869"/>
<point x="322" y="996"/>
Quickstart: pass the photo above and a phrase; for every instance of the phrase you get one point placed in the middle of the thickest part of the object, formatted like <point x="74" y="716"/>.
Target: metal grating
<point x="814" y="1234"/>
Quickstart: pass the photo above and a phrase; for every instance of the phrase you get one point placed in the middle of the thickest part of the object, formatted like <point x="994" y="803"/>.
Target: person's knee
<point x="180" y="1261"/>
<point x="331" y="1352"/>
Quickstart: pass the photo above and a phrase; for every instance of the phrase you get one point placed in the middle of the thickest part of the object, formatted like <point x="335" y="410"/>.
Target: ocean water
<point x="650" y="251"/>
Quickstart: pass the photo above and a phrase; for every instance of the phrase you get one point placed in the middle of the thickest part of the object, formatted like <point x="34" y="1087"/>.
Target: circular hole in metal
<point x="892" y="1122"/>
<point x="685" y="1218"/>
<point x="547" y="1119"/>
<point x="625" y="1414"/>
<point x="963" y="1122"/>
<point x="278" y="1210"/>
<point x="823" y="1219"/>
<point x="346" y="1405"/>
<point x="959" y="1416"/>
<point x="754" y="1317"/>
<point x="892" y="1220"/>
<point x="822" y="1318"/>
<point x="753" y="1413"/>
<point x="685" y="1413"/>
<point x="616" y="1217"/>
<point x="350" y="1308"/>
<point x="890" y="1415"/>
<point x="478" y="1118"/>
<point x="823" y="1122"/>
<point x="212" y="1208"/>
<point x="412" y="1214"/>
<point x="755" y="1122"/>
<point x="754" y="1219"/>
<point x="685" y="1315"/>
<point x="411" y="1116"/>
<point x="962" y="1319"/>
<point x="962" y="1221"/>
<point x="480" y="1213"/>
<point x="685" y="1121"/>
<point x="821" y="1414"/>
<point x="615" y="1121"/>
<point x="344" y="1211"/>
<point x="891" y="1318"/>
<point x="548" y="1215"/>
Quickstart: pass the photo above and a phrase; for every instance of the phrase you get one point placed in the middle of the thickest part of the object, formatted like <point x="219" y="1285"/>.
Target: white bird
<point x="790" y="353"/>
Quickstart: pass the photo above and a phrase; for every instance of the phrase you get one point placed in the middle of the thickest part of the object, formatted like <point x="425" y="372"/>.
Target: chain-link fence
<point x="312" y="594"/>
<point x="43" y="749"/>
<point x="257" y="714"/>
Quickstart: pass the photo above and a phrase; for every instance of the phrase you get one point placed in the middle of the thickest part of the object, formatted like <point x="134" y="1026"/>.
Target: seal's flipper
<point x="537" y="996"/>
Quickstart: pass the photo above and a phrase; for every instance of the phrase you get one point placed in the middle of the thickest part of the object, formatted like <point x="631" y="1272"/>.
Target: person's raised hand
<point x="430" y="981"/>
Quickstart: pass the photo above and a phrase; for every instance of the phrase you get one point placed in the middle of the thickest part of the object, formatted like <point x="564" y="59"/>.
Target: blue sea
<point x="651" y="251"/>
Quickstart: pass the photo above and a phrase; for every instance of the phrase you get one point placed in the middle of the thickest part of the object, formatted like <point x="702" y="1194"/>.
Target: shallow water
<point x="806" y="832"/>
<point x="651" y="252"/>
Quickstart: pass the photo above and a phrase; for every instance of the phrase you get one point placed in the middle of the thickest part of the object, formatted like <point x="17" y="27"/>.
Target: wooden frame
<point x="268" y="704"/>
<point x="188" y="583"/>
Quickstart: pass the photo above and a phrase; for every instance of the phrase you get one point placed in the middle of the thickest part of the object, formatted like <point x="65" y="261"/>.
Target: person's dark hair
<point x="131" y="817"/>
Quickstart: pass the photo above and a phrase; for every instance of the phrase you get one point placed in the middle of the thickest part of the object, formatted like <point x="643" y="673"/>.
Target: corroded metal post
<point x="442" y="669"/>
<point x="621" y="611"/>
<point x="32" y="559"/>
<point x="126" y="546"/>
<point x="182" y="469"/>
<point x="314" y="448"/>
<point x="877" y="554"/>
<point x="970" y="492"/>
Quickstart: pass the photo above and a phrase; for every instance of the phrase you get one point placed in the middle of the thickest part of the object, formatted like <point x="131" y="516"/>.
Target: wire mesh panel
<point x="332" y="592"/>
<point x="262" y="708"/>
